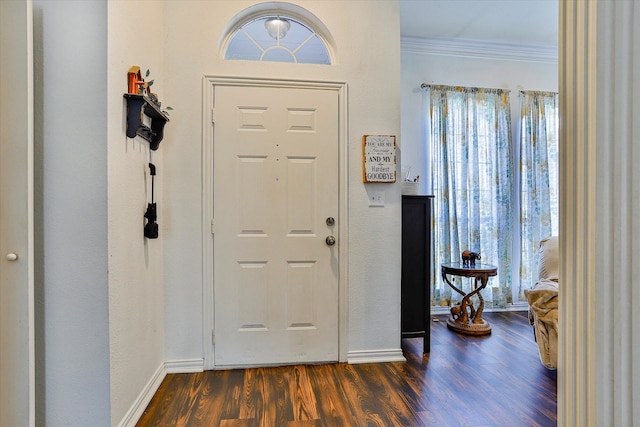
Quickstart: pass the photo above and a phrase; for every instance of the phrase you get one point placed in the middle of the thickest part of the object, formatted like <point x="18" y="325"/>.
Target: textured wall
<point x="71" y="197"/>
<point x="136" y="290"/>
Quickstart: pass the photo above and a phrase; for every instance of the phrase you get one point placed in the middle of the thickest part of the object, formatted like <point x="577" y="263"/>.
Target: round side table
<point x="466" y="318"/>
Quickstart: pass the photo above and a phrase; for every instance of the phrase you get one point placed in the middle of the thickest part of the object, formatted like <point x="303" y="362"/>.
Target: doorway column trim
<point x="208" y="85"/>
<point x="599" y="360"/>
<point x="577" y="91"/>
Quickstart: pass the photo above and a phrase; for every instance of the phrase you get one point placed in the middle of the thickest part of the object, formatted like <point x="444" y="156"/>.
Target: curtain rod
<point x="462" y="88"/>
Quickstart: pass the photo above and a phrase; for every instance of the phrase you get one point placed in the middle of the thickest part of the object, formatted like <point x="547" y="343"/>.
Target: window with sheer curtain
<point x="472" y="170"/>
<point x="472" y="180"/>
<point x="538" y="177"/>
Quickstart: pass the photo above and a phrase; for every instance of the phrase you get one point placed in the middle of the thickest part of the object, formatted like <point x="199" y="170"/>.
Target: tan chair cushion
<point x="548" y="259"/>
<point x="543" y="302"/>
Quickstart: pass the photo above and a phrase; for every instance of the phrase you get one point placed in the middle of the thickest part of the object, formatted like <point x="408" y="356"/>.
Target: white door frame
<point x="17" y="404"/>
<point x="208" y="85"/>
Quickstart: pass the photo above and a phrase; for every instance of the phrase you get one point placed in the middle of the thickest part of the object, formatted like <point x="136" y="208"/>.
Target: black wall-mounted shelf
<point x="136" y="106"/>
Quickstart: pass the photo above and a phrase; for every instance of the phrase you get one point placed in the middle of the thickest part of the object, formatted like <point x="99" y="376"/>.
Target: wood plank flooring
<point x="495" y="380"/>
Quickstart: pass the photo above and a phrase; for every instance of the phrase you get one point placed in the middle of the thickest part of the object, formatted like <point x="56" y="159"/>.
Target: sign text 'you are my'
<point x="379" y="158"/>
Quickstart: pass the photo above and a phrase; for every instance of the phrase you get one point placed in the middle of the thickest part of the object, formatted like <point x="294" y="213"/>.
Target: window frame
<point x="283" y="10"/>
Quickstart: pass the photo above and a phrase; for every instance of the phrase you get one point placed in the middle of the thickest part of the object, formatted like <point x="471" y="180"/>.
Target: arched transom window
<point x="277" y="38"/>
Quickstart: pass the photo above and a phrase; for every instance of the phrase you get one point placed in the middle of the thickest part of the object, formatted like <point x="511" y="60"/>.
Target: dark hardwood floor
<point x="495" y="380"/>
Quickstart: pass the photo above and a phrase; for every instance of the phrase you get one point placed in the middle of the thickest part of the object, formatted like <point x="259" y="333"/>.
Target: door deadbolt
<point x="330" y="240"/>
<point x="331" y="221"/>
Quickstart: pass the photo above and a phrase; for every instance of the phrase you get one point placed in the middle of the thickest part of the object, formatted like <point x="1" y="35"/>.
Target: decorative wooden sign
<point x="379" y="158"/>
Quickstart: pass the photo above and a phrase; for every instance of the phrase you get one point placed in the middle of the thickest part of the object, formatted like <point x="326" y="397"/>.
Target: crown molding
<point x="472" y="48"/>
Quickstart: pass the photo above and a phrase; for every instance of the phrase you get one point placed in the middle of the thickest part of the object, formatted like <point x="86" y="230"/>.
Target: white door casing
<point x="273" y="176"/>
<point x="17" y="345"/>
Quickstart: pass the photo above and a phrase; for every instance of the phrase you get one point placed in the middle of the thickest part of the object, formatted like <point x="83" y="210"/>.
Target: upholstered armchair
<point x="543" y="303"/>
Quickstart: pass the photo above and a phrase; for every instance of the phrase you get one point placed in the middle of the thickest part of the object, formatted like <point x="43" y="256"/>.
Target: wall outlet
<point x="376" y="198"/>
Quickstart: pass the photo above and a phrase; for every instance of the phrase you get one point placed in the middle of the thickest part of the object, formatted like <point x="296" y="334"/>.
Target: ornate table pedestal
<point x="465" y="318"/>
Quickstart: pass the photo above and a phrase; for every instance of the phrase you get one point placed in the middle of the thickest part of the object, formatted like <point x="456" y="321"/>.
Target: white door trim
<point x="208" y="84"/>
<point x="17" y="139"/>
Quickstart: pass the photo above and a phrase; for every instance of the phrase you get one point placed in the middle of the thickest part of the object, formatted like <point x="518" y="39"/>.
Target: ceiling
<point x="522" y="22"/>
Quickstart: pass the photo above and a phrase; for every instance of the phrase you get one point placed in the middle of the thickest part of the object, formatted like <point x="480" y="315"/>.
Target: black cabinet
<point x="416" y="268"/>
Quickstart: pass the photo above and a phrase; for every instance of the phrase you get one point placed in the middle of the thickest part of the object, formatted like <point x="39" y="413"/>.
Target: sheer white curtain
<point x="471" y="175"/>
<point x="539" y="178"/>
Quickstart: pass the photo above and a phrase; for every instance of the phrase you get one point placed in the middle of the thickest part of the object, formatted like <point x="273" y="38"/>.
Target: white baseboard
<point x="184" y="366"/>
<point x="375" y="356"/>
<point x="171" y="367"/>
<point x="135" y="412"/>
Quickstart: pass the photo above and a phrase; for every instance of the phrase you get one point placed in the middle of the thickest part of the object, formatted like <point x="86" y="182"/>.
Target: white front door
<point x="17" y="377"/>
<point x="275" y="203"/>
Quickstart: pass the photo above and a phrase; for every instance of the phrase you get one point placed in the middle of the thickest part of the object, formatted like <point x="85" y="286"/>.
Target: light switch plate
<point x="376" y="198"/>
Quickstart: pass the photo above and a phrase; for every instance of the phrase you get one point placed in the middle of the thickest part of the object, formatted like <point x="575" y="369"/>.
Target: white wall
<point x="71" y="219"/>
<point x="369" y="62"/>
<point x="136" y="265"/>
<point x="100" y="291"/>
